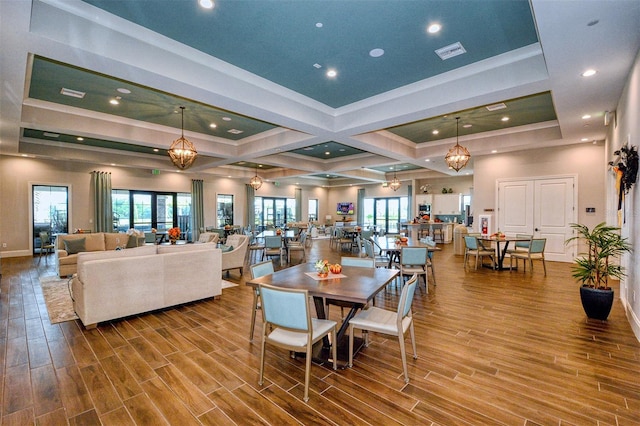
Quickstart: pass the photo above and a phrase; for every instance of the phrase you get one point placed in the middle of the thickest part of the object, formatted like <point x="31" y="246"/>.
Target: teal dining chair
<point x="413" y="260"/>
<point x="258" y="270"/>
<point x="287" y="324"/>
<point x="388" y="322"/>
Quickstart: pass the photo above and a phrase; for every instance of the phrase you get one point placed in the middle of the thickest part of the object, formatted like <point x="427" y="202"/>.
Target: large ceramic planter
<point x="596" y="302"/>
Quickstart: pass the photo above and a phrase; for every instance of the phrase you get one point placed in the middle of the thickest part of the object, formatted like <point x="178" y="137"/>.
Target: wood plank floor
<point x="495" y="348"/>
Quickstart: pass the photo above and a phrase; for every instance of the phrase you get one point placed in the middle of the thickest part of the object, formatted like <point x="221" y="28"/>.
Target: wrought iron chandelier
<point x="458" y="156"/>
<point x="395" y="183"/>
<point x="256" y="181"/>
<point x="182" y="152"/>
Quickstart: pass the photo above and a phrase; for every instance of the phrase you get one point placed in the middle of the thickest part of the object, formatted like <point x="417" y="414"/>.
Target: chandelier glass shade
<point x="182" y="152"/>
<point x="395" y="183"/>
<point x="458" y="156"/>
<point x="256" y="181"/>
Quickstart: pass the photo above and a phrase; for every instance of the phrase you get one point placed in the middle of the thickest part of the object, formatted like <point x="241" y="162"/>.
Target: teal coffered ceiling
<point x="252" y="76"/>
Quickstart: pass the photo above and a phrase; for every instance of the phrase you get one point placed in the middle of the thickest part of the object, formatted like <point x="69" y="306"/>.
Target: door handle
<point x="536" y="229"/>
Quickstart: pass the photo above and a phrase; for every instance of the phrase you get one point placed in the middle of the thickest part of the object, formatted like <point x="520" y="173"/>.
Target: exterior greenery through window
<point x="50" y="212"/>
<point x="313" y="210"/>
<point x="144" y="210"/>
<point x="273" y="212"/>
<point x="386" y="213"/>
<point x="225" y="210"/>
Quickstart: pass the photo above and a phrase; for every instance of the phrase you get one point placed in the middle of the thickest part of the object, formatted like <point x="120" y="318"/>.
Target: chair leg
<point x="544" y="266"/>
<point x="307" y="373"/>
<point x="334" y="348"/>
<point x="262" y="351"/>
<point x="350" y="345"/>
<point x="253" y="316"/>
<point x="413" y="340"/>
<point x="403" y="355"/>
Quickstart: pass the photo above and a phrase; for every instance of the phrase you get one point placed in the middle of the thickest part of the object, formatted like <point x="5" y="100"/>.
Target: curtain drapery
<point x="360" y="207"/>
<point x="102" y="210"/>
<point x="197" y="208"/>
<point x="251" y="210"/>
<point x="410" y="207"/>
<point x="298" y="193"/>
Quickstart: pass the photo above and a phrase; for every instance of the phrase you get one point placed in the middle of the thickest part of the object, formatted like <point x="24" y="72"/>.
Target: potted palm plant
<point x="593" y="268"/>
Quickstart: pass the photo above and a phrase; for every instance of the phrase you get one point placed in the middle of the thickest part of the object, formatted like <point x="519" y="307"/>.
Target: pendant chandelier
<point x="256" y="181"/>
<point x="458" y="156"/>
<point x="182" y="152"/>
<point x="395" y="183"/>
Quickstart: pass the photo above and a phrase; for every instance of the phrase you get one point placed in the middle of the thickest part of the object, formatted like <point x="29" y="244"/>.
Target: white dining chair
<point x="383" y="321"/>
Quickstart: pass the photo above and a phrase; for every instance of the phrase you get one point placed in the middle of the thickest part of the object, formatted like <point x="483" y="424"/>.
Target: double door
<point x="542" y="207"/>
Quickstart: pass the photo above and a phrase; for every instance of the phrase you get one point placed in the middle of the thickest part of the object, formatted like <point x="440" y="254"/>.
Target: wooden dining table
<point x="354" y="285"/>
<point x="500" y="253"/>
<point x="388" y="245"/>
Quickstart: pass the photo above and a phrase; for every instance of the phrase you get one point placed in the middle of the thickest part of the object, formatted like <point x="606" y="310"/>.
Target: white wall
<point x="626" y="128"/>
<point x="587" y="161"/>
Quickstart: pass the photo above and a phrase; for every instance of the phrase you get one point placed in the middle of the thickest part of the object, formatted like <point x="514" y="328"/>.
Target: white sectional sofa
<point x="116" y="284"/>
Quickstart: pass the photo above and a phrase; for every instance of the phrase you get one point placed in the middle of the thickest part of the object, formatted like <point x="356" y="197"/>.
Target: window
<point x="274" y="212"/>
<point x="50" y="206"/>
<point x="225" y="210"/>
<point x="313" y="210"/>
<point x="144" y="210"/>
<point x="386" y="213"/>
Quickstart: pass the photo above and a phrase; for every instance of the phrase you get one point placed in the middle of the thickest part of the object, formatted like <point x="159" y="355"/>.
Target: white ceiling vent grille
<point x="450" y="51"/>
<point x="235" y="131"/>
<point x="72" y="93"/>
<point x="496" y="107"/>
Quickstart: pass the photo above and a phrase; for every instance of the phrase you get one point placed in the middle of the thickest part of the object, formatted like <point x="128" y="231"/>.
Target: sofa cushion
<point x="115" y="239"/>
<point x="133" y="241"/>
<point x="176" y="248"/>
<point x="75" y="246"/>
<point x="226" y="248"/>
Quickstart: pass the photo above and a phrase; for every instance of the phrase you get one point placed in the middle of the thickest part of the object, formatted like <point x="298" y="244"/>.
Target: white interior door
<point x="542" y="207"/>
<point x="554" y="211"/>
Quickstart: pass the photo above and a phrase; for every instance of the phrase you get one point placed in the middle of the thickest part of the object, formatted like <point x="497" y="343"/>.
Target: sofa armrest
<point x="62" y="253"/>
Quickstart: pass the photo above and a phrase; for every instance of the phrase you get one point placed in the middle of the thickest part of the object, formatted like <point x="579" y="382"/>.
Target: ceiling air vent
<point x="235" y="131"/>
<point x="72" y="93"/>
<point x="450" y="51"/>
<point x="496" y="107"/>
<point x="51" y="135"/>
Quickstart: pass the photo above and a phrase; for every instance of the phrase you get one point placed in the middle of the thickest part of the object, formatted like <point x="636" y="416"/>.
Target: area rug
<point x="58" y="299"/>
<point x="227" y="284"/>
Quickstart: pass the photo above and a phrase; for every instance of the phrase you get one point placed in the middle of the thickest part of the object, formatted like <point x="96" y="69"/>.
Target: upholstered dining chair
<point x="287" y="324"/>
<point x="413" y="260"/>
<point x="298" y="246"/>
<point x="388" y="322"/>
<point x="256" y="248"/>
<point x="359" y="262"/>
<point x="521" y="246"/>
<point x="258" y="270"/>
<point x="273" y="247"/>
<point x="46" y="245"/>
<point x="535" y="252"/>
<point x="474" y="249"/>
<point x="379" y="260"/>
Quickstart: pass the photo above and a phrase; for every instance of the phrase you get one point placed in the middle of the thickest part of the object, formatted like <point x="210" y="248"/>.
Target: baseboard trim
<point x="16" y="253"/>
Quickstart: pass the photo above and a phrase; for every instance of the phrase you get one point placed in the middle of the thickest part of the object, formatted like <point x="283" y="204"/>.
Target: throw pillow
<point x="133" y="241"/>
<point x="74" y="246"/>
<point x="225" y="248"/>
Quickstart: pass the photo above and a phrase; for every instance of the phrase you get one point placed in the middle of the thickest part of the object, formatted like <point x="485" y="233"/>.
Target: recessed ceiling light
<point x="309" y="148"/>
<point x="207" y="4"/>
<point x="332" y="73"/>
<point x="327" y="153"/>
<point x="72" y="93"/>
<point x="589" y="73"/>
<point x="586" y="117"/>
<point x="493" y="151"/>
<point x="466" y="126"/>
<point x="259" y="165"/>
<point x="435" y="132"/>
<point x="80" y="138"/>
<point x="112" y="164"/>
<point x="376" y="53"/>
<point x="229" y="176"/>
<point x="123" y="90"/>
<point x="24" y="155"/>
<point x="213" y="125"/>
<point x="155" y="150"/>
<point x="114" y="102"/>
<point x="427" y="160"/>
<point x="584" y="139"/>
<point x="226" y="118"/>
<point x="319" y="25"/>
<point x="504" y="119"/>
<point x="434" y="28"/>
